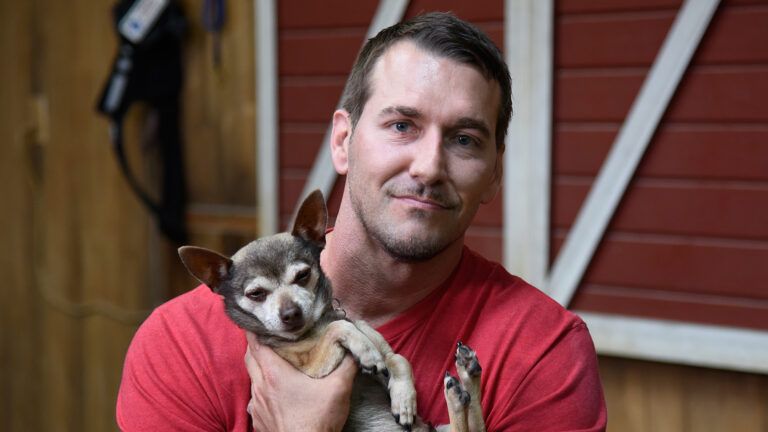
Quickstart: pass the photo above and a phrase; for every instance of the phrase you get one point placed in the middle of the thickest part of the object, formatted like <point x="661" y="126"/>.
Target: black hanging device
<point x="148" y="69"/>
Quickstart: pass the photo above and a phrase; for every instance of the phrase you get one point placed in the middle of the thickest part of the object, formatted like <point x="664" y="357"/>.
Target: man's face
<point x="423" y="157"/>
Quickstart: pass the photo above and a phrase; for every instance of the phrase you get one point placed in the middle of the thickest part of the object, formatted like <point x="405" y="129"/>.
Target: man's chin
<point x="417" y="248"/>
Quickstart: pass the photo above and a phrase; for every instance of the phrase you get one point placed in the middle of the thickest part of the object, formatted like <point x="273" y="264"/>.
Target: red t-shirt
<point x="184" y="369"/>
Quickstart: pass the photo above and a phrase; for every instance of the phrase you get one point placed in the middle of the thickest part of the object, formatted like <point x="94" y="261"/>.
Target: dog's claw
<point x="461" y="394"/>
<point x="451" y="382"/>
<point x="467" y="359"/>
<point x="385" y="372"/>
<point x="457" y="393"/>
<point x="465" y="398"/>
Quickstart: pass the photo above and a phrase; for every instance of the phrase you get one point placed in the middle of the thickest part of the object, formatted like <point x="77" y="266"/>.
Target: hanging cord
<point x="116" y="131"/>
<point x="148" y="69"/>
<point x="213" y="21"/>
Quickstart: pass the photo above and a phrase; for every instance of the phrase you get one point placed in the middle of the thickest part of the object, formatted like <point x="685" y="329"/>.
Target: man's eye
<point x="464" y="140"/>
<point x="402" y="126"/>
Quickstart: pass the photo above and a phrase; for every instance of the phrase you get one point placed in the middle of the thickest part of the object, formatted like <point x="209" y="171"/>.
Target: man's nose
<point x="428" y="159"/>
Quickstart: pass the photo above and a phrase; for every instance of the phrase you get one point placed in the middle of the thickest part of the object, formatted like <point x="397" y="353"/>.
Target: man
<point x="420" y="139"/>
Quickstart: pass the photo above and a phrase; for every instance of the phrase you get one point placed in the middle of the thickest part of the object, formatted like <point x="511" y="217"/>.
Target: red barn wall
<point x="690" y="238"/>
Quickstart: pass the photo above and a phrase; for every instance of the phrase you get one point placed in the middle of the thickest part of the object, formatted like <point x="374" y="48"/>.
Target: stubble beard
<point x="406" y="249"/>
<point x="385" y="233"/>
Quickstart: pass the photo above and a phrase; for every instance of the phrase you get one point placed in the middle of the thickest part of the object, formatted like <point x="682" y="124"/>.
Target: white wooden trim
<point x="679" y="342"/>
<point x="267" y="125"/>
<point x="528" y="40"/>
<point x="630" y="144"/>
<point x="323" y="175"/>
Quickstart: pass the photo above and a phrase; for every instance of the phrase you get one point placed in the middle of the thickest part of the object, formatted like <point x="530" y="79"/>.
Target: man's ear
<point x="312" y="219"/>
<point x="209" y="267"/>
<point x="340" y="136"/>
<point x="498" y="174"/>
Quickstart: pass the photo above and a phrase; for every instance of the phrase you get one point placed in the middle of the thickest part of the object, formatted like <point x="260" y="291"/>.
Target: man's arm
<point x="284" y="399"/>
<point x="177" y="376"/>
<point x="165" y="385"/>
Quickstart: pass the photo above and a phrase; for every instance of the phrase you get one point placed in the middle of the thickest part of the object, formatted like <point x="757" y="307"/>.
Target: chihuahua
<point x="274" y="287"/>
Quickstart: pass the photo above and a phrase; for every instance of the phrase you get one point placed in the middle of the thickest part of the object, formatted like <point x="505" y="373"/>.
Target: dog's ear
<point x="312" y="219"/>
<point x="209" y="267"/>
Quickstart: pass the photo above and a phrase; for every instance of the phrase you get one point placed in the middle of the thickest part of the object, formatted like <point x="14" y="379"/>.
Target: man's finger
<point x="253" y="342"/>
<point x="252" y="366"/>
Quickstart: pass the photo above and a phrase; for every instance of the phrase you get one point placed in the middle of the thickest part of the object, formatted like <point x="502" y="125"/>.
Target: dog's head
<point x="273" y="286"/>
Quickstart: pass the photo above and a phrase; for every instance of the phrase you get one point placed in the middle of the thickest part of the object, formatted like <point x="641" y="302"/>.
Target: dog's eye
<point x="257" y="295"/>
<point x="302" y="277"/>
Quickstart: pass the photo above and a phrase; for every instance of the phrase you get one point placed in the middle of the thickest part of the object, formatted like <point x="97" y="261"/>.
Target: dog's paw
<point x="402" y="394"/>
<point x="371" y="362"/>
<point x="369" y="359"/>
<point x="455" y="395"/>
<point x="466" y="361"/>
<point x="365" y="353"/>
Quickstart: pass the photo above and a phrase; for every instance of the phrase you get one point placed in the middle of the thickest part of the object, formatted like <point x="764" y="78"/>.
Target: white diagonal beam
<point x="631" y="142"/>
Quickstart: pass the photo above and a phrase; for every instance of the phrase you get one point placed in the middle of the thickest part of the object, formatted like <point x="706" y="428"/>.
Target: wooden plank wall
<point x="690" y="238"/>
<point x="83" y="263"/>
<point x="82" y="260"/>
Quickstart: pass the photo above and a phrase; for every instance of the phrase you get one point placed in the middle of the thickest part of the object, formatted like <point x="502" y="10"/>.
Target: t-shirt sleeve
<point x="163" y="386"/>
<point x="561" y="392"/>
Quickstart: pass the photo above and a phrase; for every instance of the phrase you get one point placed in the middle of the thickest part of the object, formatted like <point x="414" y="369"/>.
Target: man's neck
<point x="370" y="283"/>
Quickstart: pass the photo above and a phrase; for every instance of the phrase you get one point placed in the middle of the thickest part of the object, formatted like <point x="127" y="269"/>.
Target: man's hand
<point x="284" y="399"/>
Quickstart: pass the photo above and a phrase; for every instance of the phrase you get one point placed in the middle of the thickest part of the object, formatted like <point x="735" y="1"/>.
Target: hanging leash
<point x="148" y="68"/>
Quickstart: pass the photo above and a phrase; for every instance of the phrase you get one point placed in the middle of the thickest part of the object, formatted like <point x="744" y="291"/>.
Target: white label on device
<point x="139" y="20"/>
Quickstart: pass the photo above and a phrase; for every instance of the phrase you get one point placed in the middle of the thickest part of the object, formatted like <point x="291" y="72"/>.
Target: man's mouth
<point x="421" y="202"/>
<point x="424" y="197"/>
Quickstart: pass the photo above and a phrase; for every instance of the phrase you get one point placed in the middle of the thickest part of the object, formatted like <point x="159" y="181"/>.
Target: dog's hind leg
<point x="469" y="371"/>
<point x="402" y="392"/>
<point x="457" y="400"/>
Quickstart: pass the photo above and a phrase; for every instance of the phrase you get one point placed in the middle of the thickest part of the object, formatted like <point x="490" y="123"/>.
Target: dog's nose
<point x="291" y="316"/>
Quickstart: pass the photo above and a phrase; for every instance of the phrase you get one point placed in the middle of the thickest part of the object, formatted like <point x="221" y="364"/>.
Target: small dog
<point x="274" y="288"/>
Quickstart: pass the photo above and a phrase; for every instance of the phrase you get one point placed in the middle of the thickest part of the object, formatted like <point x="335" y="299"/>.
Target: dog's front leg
<point x="320" y="355"/>
<point x="366" y="353"/>
<point x="402" y="392"/>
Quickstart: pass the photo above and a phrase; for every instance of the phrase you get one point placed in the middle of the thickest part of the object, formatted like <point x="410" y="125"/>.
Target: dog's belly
<point x="370" y="407"/>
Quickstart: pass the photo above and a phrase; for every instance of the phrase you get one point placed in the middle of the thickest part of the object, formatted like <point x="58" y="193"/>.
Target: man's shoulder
<point x="186" y="354"/>
<point x="182" y="309"/>
<point x="196" y="317"/>
<point x="508" y="293"/>
<point x="199" y="299"/>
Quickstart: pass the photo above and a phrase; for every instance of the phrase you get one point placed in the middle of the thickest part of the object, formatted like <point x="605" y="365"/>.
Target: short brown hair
<point x="441" y="34"/>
